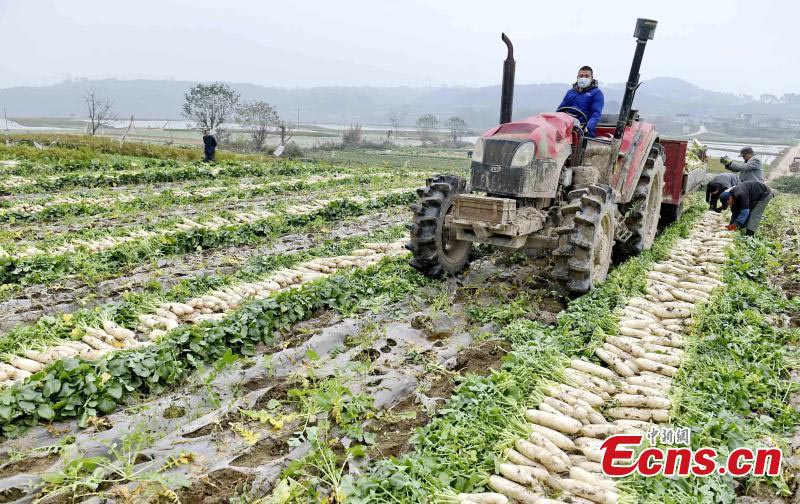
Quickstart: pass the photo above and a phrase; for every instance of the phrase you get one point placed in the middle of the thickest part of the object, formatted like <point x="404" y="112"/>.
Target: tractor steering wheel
<point x="575" y="112"/>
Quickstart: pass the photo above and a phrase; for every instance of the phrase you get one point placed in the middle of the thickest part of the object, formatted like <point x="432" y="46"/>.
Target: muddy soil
<point x="70" y="294"/>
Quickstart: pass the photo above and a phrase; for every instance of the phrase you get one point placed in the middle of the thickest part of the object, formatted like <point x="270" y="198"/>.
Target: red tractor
<point x="541" y="185"/>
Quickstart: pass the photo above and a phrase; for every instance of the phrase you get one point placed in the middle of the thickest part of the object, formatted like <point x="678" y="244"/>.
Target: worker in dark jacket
<point x="209" y="146"/>
<point x="750" y="169"/>
<point x="747" y="200"/>
<point x="586" y="97"/>
<point x="717" y="186"/>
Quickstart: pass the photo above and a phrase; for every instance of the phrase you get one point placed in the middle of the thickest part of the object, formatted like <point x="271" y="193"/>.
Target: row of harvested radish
<point x="101" y="244"/>
<point x="32" y="208"/>
<point x="214" y="305"/>
<point x="97" y="341"/>
<point x="562" y="454"/>
<point x="15" y="181"/>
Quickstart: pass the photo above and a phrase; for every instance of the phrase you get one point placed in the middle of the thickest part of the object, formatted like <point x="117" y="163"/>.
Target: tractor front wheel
<point x="435" y="249"/>
<point x="585" y="238"/>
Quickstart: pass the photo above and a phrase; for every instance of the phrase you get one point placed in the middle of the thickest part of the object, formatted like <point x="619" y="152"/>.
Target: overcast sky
<point x="740" y="46"/>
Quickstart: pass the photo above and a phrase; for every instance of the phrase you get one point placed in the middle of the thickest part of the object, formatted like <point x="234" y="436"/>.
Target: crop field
<point x="251" y="332"/>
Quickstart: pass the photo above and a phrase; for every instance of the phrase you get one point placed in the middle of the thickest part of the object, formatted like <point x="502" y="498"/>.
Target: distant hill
<point x="479" y="106"/>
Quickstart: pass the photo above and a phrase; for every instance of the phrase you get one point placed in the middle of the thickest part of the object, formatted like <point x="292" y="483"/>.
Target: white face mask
<point x="584" y="82"/>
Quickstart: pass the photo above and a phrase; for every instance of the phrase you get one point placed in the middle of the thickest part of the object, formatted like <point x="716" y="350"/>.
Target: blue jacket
<point x="589" y="101"/>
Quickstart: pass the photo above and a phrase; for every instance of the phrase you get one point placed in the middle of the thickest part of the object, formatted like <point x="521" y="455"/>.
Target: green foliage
<point x="76" y="389"/>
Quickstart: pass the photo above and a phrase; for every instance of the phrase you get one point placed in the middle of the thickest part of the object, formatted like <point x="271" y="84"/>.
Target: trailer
<point x="678" y="181"/>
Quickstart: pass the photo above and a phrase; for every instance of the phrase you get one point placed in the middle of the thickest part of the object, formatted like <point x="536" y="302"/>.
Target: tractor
<point x="540" y="185"/>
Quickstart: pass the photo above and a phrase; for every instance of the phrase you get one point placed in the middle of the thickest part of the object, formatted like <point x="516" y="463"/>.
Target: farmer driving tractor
<point x="584" y="101"/>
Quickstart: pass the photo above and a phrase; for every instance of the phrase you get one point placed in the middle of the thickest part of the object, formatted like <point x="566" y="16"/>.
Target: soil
<point x="398" y="427"/>
<point x="28" y="465"/>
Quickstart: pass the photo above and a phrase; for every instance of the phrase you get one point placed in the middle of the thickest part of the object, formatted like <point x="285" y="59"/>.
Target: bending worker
<point x="586" y="97"/>
<point x="717" y="186"/>
<point x="747" y="200"/>
<point x="750" y="169"/>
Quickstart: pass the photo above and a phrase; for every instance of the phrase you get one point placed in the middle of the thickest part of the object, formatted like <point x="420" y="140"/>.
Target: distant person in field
<point x="209" y="146"/>
<point x="747" y="200"/>
<point x="717" y="186"/>
<point x="586" y="97"/>
<point x="748" y="170"/>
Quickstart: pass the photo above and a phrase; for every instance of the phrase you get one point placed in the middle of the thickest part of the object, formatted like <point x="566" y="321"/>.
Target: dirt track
<point x="782" y="166"/>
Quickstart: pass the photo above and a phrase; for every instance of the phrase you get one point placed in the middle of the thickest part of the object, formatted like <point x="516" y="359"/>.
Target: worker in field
<point x="717" y="186"/>
<point x="747" y="200"/>
<point x="750" y="169"/>
<point x="209" y="146"/>
<point x="586" y="97"/>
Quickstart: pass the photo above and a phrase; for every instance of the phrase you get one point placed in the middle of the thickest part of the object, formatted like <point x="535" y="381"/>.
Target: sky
<point x="738" y="46"/>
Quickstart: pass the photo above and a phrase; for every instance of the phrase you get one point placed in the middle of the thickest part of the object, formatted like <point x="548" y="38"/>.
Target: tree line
<point x="211" y="106"/>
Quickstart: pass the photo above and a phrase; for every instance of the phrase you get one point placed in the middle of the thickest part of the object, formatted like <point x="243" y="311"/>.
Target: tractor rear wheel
<point x="585" y="238"/>
<point x="435" y="249"/>
<point x="642" y="213"/>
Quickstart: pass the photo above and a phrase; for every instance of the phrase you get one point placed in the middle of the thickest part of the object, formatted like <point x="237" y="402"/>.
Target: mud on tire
<point x="585" y="238"/>
<point x="642" y="213"/>
<point x="435" y="251"/>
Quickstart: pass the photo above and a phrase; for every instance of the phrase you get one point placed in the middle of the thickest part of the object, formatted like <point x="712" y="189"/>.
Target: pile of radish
<point x="216" y="222"/>
<point x="562" y="455"/>
<point x="97" y="341"/>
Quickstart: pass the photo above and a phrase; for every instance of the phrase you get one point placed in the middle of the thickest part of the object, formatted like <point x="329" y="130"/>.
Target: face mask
<point x="583" y="82"/>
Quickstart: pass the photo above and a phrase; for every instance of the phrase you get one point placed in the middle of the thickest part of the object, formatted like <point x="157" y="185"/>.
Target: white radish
<point x="663" y="358"/>
<point x="635" y="333"/>
<point x="590" y="447"/>
<point x="619" y="365"/>
<point x="633" y="324"/>
<point x="602" y="383"/>
<point x="656" y="367"/>
<point x="519" y="459"/>
<point x="541" y="455"/>
<point x="580" y="379"/>
<point x="554" y="436"/>
<point x="548" y="445"/>
<point x="568" y="394"/>
<point x="649" y="381"/>
<point x="643" y="414"/>
<point x="24" y="364"/>
<point x="580" y="474"/>
<point x="557" y="421"/>
<point x="96" y="343"/>
<point x="513" y="473"/>
<point x="592" y="492"/>
<point x="118" y="332"/>
<point x="599" y="431"/>
<point x="482" y="498"/>
<point x="642" y="401"/>
<point x="594" y="369"/>
<point x="641" y="390"/>
<point x="512" y="490"/>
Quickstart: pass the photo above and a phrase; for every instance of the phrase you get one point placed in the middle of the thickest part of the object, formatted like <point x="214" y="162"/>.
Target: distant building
<point x="792" y="123"/>
<point x="713" y="122"/>
<point x="682" y="118"/>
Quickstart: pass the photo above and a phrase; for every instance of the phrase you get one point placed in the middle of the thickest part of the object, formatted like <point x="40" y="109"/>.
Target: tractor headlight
<point x="477" y="151"/>
<point x="523" y="155"/>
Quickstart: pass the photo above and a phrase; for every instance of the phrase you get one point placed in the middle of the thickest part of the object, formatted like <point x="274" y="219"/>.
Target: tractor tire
<point x="669" y="214"/>
<point x="585" y="238"/>
<point x="643" y="212"/>
<point x="435" y="251"/>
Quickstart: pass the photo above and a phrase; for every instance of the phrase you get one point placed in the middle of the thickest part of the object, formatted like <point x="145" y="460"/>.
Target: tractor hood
<point x="546" y="130"/>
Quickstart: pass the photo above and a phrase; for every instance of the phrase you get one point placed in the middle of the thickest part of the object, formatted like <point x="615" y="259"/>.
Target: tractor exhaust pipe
<point x="507" y="94"/>
<point x="645" y="30"/>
